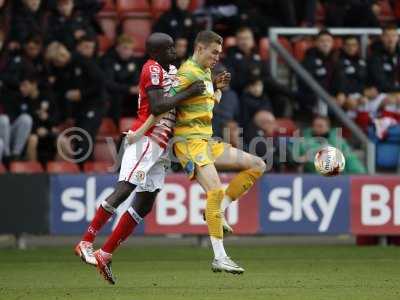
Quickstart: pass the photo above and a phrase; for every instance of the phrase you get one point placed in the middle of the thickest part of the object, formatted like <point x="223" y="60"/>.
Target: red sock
<point x="98" y="222"/>
<point x="124" y="228"/>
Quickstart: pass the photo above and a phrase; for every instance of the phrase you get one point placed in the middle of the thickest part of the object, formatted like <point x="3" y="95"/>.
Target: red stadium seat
<point x="26" y="167"/>
<point x="286" y="127"/>
<point x="125" y="124"/>
<point x="2" y="169"/>
<point x="109" y="9"/>
<point x="104" y="43"/>
<point x="109" y="26"/>
<point x="62" y="167"/>
<point x="195" y="4"/>
<point x="286" y="43"/>
<point x="337" y="42"/>
<point x="104" y="152"/>
<point x="300" y="48"/>
<point x="160" y="5"/>
<point x="139" y="28"/>
<point x="107" y="127"/>
<point x="264" y="48"/>
<point x="97" y="167"/>
<point x="133" y="6"/>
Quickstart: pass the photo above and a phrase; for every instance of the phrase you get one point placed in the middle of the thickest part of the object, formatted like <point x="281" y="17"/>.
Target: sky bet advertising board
<point x="277" y="204"/>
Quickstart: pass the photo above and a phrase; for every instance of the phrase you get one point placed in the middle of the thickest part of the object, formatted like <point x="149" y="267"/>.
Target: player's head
<point x="207" y="48"/>
<point x="161" y="48"/>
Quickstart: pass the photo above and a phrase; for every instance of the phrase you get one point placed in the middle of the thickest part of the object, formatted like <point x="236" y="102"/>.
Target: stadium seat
<point x="337" y="42"/>
<point x="125" y="124"/>
<point x="108" y="129"/>
<point x="160" y="5"/>
<point x="2" y="169"/>
<point x="286" y="126"/>
<point x="264" y="48"/>
<point x="195" y="4"/>
<point x="108" y="9"/>
<point x="104" y="43"/>
<point x="133" y="6"/>
<point x="104" y="152"/>
<point x="300" y="48"/>
<point x="97" y="167"/>
<point x="26" y="167"/>
<point x="62" y="167"/>
<point x="139" y="28"/>
<point x="286" y="43"/>
<point x="109" y="26"/>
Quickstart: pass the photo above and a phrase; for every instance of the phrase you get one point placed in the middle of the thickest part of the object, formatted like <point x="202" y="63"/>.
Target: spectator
<point x="15" y="127"/>
<point x="252" y="100"/>
<point x="5" y="16"/>
<point x="41" y="107"/>
<point x="265" y="141"/>
<point x="319" y="135"/>
<point x="351" y="73"/>
<point x="181" y="46"/>
<point x="28" y="18"/>
<point x="79" y="87"/>
<point x="178" y="21"/>
<point x="227" y="110"/>
<point x="86" y="47"/>
<point x="30" y="60"/>
<point x="320" y="62"/>
<point x="122" y="72"/>
<point x="243" y="61"/>
<point x="384" y="68"/>
<point x="67" y="25"/>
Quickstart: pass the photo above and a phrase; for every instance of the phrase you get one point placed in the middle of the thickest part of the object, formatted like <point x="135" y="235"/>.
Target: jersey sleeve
<point x="153" y="77"/>
<point x="185" y="79"/>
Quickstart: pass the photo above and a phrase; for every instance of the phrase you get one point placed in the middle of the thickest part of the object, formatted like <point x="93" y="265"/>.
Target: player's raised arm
<point x="161" y="103"/>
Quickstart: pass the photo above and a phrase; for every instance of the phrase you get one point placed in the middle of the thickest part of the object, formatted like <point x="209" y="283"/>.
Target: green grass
<point x="272" y="272"/>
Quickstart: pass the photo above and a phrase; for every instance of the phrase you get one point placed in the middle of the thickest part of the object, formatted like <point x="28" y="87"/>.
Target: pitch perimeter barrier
<point x="277" y="204"/>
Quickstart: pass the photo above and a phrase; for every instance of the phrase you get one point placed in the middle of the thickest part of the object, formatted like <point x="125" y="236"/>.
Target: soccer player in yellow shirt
<point x="200" y="155"/>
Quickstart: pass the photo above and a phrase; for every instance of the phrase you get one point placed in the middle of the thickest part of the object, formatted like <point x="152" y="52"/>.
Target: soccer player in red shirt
<point x="143" y="162"/>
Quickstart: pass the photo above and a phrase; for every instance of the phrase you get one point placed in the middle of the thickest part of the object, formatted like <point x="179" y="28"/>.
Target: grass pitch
<point x="272" y="272"/>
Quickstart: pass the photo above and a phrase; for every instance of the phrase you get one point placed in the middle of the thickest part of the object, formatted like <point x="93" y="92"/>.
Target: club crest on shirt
<point x="139" y="176"/>
<point x="155" y="75"/>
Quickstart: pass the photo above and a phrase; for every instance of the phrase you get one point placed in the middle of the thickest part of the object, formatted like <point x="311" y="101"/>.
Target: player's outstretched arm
<point x="160" y="103"/>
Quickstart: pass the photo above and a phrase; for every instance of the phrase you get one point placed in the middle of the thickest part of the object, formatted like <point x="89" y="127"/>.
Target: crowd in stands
<point x="70" y="63"/>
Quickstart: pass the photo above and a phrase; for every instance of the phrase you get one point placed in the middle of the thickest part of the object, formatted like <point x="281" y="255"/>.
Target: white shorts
<point x="144" y="164"/>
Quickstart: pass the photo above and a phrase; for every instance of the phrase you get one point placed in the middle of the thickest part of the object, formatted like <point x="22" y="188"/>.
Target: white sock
<point x="218" y="247"/>
<point x="225" y="203"/>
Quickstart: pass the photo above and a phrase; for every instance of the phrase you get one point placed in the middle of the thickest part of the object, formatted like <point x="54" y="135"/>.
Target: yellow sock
<point x="213" y="213"/>
<point x="242" y="182"/>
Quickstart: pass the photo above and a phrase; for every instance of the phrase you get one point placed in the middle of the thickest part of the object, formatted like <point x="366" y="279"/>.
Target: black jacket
<point x="351" y="75"/>
<point x="321" y="67"/>
<point x="120" y="75"/>
<point x="62" y="29"/>
<point x="82" y="74"/>
<point x="177" y="23"/>
<point x="384" y="69"/>
<point x="250" y="104"/>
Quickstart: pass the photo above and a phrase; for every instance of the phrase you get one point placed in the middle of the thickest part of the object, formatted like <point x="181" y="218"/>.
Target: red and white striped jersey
<point x="154" y="76"/>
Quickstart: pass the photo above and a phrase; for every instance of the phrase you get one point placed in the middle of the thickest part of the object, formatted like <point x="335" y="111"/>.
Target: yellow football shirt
<point x="194" y="115"/>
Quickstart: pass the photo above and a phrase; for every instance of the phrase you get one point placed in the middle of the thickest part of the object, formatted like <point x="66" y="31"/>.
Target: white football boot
<point x="85" y="251"/>
<point x="226" y="264"/>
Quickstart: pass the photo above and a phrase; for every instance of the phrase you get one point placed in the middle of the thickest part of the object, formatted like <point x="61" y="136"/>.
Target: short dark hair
<point x="34" y="38"/>
<point x="86" y="38"/>
<point x="390" y="26"/>
<point x="323" y="32"/>
<point x="207" y="37"/>
<point x="351" y="37"/>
